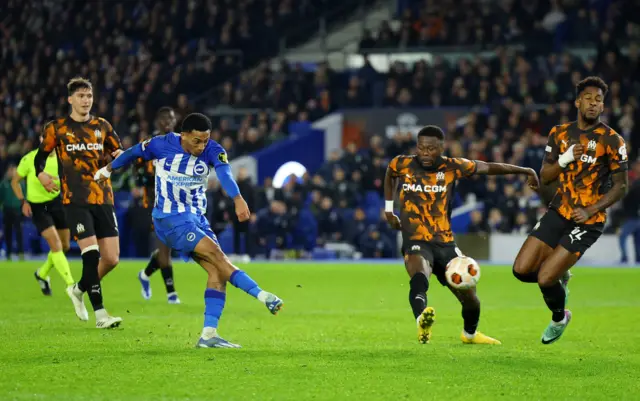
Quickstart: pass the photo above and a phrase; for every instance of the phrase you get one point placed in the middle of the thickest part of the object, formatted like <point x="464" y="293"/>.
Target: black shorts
<point x="48" y="214"/>
<point x="88" y="220"/>
<point x="438" y="255"/>
<point x="554" y="230"/>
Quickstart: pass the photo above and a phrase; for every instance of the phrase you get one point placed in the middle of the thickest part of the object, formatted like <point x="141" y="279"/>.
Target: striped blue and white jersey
<point x="181" y="178"/>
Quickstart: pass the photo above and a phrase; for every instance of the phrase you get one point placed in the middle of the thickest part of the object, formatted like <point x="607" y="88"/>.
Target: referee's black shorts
<point x="48" y="214"/>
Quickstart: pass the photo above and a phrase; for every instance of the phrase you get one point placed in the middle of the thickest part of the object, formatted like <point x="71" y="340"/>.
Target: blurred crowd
<point x="539" y="24"/>
<point x="170" y="52"/>
<point x="140" y="55"/>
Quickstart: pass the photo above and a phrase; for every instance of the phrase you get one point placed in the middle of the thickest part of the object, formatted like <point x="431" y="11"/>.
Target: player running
<point x="427" y="181"/>
<point x="161" y="257"/>
<point x="48" y="216"/>
<point x="82" y="143"/>
<point x="183" y="163"/>
<point x="585" y="156"/>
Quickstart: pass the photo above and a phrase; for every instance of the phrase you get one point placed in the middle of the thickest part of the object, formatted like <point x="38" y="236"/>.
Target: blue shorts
<point x="182" y="232"/>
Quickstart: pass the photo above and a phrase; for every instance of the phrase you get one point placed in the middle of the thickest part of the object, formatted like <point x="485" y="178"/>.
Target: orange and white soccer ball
<point x="463" y="273"/>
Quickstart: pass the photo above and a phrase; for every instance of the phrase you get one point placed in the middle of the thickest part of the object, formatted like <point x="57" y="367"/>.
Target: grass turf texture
<point x="346" y="332"/>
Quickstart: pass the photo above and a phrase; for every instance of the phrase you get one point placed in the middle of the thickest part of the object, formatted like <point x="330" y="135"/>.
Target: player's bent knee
<point x="518" y="271"/>
<point x="110" y="261"/>
<point x="546" y="280"/>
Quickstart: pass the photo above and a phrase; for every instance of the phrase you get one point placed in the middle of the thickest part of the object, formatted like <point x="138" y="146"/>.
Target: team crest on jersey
<point x="200" y="168"/>
<point x="440" y="176"/>
<point x="623" y="152"/>
<point x="98" y="134"/>
<point x="223" y="158"/>
<point x="592" y="145"/>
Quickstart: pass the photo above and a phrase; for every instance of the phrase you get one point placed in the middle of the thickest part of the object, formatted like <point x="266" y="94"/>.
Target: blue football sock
<point x="213" y="306"/>
<point x="241" y="280"/>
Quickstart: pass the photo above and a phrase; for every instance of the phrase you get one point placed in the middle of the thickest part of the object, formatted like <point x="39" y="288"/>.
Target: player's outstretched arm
<point x="122" y="160"/>
<point x="485" y="168"/>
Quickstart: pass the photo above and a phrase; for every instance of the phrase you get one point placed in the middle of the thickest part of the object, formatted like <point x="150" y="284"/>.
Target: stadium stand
<point x="189" y="54"/>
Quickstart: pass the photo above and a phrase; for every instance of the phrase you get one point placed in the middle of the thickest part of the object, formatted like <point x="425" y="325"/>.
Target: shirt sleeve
<point x="127" y="157"/>
<point x="217" y="156"/>
<point x="617" y="153"/>
<point x="25" y="166"/>
<point x="396" y="165"/>
<point x="465" y="167"/>
<point x="49" y="138"/>
<point x="111" y="139"/>
<point x="551" y="151"/>
<point x="149" y="147"/>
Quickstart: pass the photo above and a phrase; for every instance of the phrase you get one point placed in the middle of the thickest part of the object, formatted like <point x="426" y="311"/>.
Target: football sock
<point x="554" y="296"/>
<point x="61" y="264"/>
<point x="167" y="275"/>
<point x="241" y="280"/>
<point x="43" y="271"/>
<point x="471" y="317"/>
<point x="419" y="285"/>
<point x="531" y="277"/>
<point x="90" y="282"/>
<point x="213" y="305"/>
<point x="153" y="265"/>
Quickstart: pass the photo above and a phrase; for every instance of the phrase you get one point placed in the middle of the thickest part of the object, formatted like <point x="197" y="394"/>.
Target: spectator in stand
<point x="273" y="226"/>
<point x="478" y="224"/>
<point x="631" y="210"/>
<point x="330" y="224"/>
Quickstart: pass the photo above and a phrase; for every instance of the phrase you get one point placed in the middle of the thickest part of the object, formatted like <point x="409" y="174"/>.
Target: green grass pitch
<point x="346" y="332"/>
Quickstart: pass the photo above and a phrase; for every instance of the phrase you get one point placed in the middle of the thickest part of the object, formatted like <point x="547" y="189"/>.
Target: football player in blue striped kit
<point x="183" y="163"/>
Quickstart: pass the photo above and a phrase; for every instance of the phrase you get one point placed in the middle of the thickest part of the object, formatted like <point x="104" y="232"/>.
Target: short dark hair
<point x="592" y="81"/>
<point x="163" y="110"/>
<point x="78" y="83"/>
<point x="196" y="122"/>
<point x="432" y="131"/>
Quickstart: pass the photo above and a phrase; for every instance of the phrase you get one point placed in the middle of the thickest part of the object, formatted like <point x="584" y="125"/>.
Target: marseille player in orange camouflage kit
<point x="589" y="161"/>
<point x="426" y="182"/>
<point x="83" y="143"/>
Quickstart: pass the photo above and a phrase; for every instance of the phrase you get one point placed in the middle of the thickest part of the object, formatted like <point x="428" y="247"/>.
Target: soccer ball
<point x="462" y="273"/>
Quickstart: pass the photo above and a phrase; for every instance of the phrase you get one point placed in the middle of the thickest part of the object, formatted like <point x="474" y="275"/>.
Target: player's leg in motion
<point x="419" y="271"/>
<point x="90" y="281"/>
<point x="471" y="317"/>
<point x="530" y="259"/>
<point x="58" y="241"/>
<point x="220" y="271"/>
<point x="109" y="255"/>
<point x="553" y="269"/>
<point x="160" y="260"/>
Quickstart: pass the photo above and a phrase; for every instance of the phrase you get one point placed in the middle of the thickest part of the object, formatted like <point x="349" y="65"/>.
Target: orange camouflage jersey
<point x="583" y="182"/>
<point x="82" y="149"/>
<point x="426" y="196"/>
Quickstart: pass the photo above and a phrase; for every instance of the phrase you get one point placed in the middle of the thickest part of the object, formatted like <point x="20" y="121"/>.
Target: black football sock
<point x="153" y="264"/>
<point x="167" y="275"/>
<point x="419" y="285"/>
<point x="531" y="277"/>
<point x="90" y="281"/>
<point x="471" y="317"/>
<point x="554" y="296"/>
